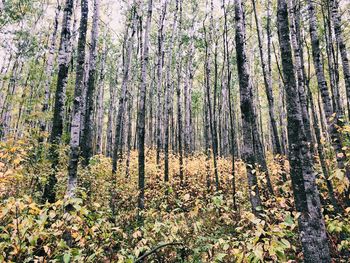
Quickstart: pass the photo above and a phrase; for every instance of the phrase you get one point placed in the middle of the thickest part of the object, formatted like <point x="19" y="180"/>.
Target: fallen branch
<point x="156" y="248"/>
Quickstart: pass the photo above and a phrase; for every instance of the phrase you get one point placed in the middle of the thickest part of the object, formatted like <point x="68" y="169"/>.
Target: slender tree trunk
<point x="333" y="71"/>
<point x="268" y="87"/>
<point x="49" y="70"/>
<point x="168" y="97"/>
<point x="142" y="109"/>
<point x="247" y="109"/>
<point x="160" y="78"/>
<point x="63" y="64"/>
<point x="331" y="116"/>
<point x="342" y="47"/>
<point x="296" y="45"/>
<point x="311" y="224"/>
<point x="87" y="136"/>
<point x="110" y="118"/>
<point x="64" y="56"/>
<point x="100" y="105"/>
<point x="188" y="95"/>
<point x="231" y="113"/>
<point x="208" y="61"/>
<point x="129" y="136"/>
<point x="77" y="104"/>
<point x="179" y="101"/>
<point x="126" y="74"/>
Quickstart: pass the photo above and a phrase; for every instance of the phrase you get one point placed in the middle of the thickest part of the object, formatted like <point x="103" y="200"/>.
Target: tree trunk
<point x="111" y="111"/>
<point x="331" y="116"/>
<point x="207" y="70"/>
<point x="160" y="79"/>
<point x="311" y="224"/>
<point x="100" y="105"/>
<point x="179" y="101"/>
<point x="342" y="47"/>
<point x="87" y="136"/>
<point x="247" y="109"/>
<point x="268" y="87"/>
<point x="168" y="97"/>
<point x="77" y="103"/>
<point x="231" y="113"/>
<point x="63" y="64"/>
<point x="64" y="55"/>
<point x="296" y="45"/>
<point x="142" y="109"/>
<point x="49" y="70"/>
<point x="122" y="98"/>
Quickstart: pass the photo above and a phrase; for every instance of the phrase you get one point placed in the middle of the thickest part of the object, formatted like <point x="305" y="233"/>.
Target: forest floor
<point x="182" y="222"/>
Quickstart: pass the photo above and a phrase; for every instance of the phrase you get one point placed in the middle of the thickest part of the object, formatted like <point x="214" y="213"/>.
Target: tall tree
<point x="311" y="224"/>
<point x="331" y="116"/>
<point x="87" y="136"/>
<point x="142" y="109"/>
<point x="168" y="93"/>
<point x="179" y="100"/>
<point x="126" y="74"/>
<point x="77" y="103"/>
<point x="64" y="55"/>
<point x="49" y="68"/>
<point x="231" y="110"/>
<point x="247" y="109"/>
<point x="207" y="65"/>
<point x="160" y="62"/>
<point x="268" y="85"/>
<point x="100" y="104"/>
<point x="336" y="18"/>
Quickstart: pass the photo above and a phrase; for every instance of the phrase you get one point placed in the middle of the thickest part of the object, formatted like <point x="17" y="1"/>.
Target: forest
<point x="175" y="131"/>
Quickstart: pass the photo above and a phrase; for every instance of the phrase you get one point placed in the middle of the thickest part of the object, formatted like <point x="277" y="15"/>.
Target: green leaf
<point x="219" y="257"/>
<point x="66" y="258"/>
<point x="289" y="220"/>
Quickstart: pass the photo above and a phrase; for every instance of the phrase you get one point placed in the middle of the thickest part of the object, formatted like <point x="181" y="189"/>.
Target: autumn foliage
<point x="194" y="223"/>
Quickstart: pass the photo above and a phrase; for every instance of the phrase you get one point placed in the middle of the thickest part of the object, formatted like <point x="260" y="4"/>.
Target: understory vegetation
<point x="193" y="222"/>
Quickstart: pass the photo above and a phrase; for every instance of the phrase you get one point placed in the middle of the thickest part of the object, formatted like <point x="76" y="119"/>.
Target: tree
<point x="247" y="109"/>
<point x="334" y="6"/>
<point x="64" y="54"/>
<point x="331" y="116"/>
<point x="87" y="136"/>
<point x="160" y="62"/>
<point x="77" y="104"/>
<point x="268" y="86"/>
<point x="141" y="109"/>
<point x="311" y="224"/>
<point x="126" y="73"/>
<point x="168" y="94"/>
<point x="49" y="68"/>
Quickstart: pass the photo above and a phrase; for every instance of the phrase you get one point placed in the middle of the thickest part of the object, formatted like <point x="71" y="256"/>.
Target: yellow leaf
<point x="187" y="197"/>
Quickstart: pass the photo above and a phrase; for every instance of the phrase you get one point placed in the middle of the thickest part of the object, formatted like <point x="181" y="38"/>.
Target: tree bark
<point x="160" y="79"/>
<point x="121" y="105"/>
<point x="247" y="109"/>
<point x="342" y="47"/>
<point x="268" y="87"/>
<point x="77" y="103"/>
<point x="331" y="116"/>
<point x="231" y="113"/>
<point x="311" y="224"/>
<point x="64" y="56"/>
<point x="49" y="70"/>
<point x="63" y="65"/>
<point x="142" y="109"/>
<point x="168" y="97"/>
<point x="100" y="104"/>
<point x="87" y="136"/>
